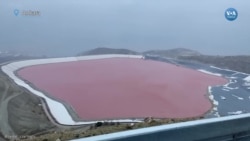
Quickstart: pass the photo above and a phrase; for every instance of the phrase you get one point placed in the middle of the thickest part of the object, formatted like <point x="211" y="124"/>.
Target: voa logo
<point x="231" y="14"/>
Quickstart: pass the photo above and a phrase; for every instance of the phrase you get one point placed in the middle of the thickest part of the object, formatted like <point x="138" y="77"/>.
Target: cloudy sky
<point x="67" y="27"/>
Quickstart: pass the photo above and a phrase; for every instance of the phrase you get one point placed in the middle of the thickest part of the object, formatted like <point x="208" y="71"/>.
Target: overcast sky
<point x="67" y="27"/>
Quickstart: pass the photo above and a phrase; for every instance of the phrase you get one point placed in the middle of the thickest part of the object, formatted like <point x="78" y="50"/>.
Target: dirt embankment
<point x="21" y="113"/>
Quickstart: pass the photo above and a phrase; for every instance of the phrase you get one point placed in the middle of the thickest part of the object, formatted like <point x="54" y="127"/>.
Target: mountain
<point x="104" y="50"/>
<point x="173" y="53"/>
<point x="6" y="56"/>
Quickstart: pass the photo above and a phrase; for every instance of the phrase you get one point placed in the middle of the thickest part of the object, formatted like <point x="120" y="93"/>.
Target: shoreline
<point x="57" y="108"/>
<point x="67" y="111"/>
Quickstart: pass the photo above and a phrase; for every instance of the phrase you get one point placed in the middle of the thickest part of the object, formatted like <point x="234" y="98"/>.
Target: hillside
<point x="173" y="53"/>
<point x="237" y="63"/>
<point x="10" y="56"/>
<point x="104" y="50"/>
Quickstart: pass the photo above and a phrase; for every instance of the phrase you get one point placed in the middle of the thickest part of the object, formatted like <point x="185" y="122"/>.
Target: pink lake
<point x="122" y="88"/>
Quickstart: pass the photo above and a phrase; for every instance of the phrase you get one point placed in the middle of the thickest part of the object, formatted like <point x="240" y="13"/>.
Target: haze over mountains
<point x="132" y="24"/>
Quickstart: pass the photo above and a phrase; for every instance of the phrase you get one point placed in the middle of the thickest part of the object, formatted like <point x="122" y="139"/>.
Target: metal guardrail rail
<point x="230" y="128"/>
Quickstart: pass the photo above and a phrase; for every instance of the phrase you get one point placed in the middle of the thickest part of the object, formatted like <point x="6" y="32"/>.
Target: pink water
<point x="125" y="88"/>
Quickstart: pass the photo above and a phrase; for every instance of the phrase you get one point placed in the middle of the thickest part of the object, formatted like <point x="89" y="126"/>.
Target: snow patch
<point x="215" y="103"/>
<point x="235" y="72"/>
<point x="233" y="77"/>
<point x="226" y="90"/>
<point x="247" y="83"/>
<point x="240" y="98"/>
<point x="210" y="90"/>
<point x="235" y="113"/>
<point x="211" y="97"/>
<point x="217" y="114"/>
<point x="207" y="72"/>
<point x="247" y="79"/>
<point x="230" y="82"/>
<point x="215" y="109"/>
<point x="230" y="88"/>
<point x="222" y="97"/>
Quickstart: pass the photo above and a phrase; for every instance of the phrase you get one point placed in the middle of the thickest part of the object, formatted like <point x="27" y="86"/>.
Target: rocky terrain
<point x="21" y="111"/>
